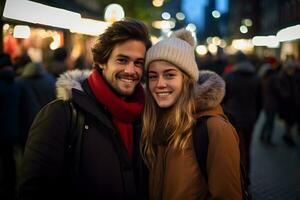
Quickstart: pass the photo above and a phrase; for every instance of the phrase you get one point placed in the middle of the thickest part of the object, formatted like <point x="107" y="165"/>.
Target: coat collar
<point x="73" y="85"/>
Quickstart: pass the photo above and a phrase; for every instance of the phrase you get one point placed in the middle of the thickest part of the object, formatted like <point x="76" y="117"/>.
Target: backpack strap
<point x="74" y="138"/>
<point x="200" y="141"/>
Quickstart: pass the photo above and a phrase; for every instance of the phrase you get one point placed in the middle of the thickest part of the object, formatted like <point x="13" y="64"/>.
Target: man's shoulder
<point x="56" y="106"/>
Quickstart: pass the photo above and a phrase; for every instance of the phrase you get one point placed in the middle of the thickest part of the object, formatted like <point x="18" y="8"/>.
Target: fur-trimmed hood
<point x="210" y="91"/>
<point x="69" y="80"/>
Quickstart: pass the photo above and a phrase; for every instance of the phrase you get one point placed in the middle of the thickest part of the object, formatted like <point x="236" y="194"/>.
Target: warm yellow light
<point x="5" y="27"/>
<point x="201" y="50"/>
<point x="90" y="27"/>
<point x="163" y="24"/>
<point x="223" y="43"/>
<point x="114" y="12"/>
<point x="242" y="44"/>
<point x="154" y="39"/>
<point x="212" y="48"/>
<point x="56" y="41"/>
<point x="216" y="40"/>
<point x="157" y="3"/>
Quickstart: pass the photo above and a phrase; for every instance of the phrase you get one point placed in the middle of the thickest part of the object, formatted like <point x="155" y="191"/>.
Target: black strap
<point x="74" y="138"/>
<point x="200" y="140"/>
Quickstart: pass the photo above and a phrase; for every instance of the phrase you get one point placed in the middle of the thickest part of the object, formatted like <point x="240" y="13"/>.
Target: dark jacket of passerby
<point x="269" y="83"/>
<point x="9" y="111"/>
<point x="37" y="89"/>
<point x="289" y="94"/>
<point x="9" y="103"/>
<point x="100" y="174"/>
<point x="243" y="95"/>
<point x="243" y="103"/>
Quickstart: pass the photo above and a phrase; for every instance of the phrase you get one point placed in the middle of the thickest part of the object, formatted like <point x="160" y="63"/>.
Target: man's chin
<point x="126" y="91"/>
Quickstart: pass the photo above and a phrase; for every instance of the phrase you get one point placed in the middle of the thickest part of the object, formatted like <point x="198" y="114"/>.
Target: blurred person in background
<point x="243" y="102"/>
<point x="59" y="62"/>
<point x="111" y="99"/>
<point x="269" y="77"/>
<point x="220" y="61"/>
<point x="297" y="77"/>
<point x="289" y="99"/>
<point x="81" y="63"/>
<point x="21" y="62"/>
<point x="37" y="89"/>
<point x="9" y="115"/>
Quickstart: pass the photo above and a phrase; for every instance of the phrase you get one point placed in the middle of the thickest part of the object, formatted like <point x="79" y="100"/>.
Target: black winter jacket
<point x="45" y="169"/>
<point x="243" y="96"/>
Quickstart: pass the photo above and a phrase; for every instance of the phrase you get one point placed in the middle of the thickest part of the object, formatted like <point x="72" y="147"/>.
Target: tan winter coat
<point x="179" y="171"/>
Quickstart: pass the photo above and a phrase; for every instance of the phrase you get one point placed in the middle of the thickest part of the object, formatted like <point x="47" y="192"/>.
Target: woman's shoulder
<point x="219" y="127"/>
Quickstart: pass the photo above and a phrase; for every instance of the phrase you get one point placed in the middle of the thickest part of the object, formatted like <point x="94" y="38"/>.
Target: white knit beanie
<point x="178" y="49"/>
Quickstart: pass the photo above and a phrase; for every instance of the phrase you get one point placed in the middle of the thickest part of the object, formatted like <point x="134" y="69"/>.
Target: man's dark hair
<point x="119" y="32"/>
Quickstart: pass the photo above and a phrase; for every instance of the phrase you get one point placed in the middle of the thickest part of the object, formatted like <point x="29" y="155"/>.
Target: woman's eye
<point x="152" y="77"/>
<point x="169" y="76"/>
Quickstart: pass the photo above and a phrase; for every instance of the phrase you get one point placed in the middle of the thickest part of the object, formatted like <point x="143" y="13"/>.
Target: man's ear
<point x="102" y="66"/>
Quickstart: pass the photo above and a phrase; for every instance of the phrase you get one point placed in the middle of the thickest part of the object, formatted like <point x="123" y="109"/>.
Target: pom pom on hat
<point x="184" y="35"/>
<point x="178" y="49"/>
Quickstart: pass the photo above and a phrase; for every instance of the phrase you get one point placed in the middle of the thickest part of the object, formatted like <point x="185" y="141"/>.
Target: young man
<point x="111" y="99"/>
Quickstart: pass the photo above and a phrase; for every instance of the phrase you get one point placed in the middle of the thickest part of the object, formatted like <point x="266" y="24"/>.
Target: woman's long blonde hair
<point x="179" y="120"/>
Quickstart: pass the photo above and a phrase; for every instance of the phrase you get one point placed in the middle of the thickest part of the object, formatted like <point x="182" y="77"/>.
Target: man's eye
<point x="121" y="60"/>
<point x="139" y="63"/>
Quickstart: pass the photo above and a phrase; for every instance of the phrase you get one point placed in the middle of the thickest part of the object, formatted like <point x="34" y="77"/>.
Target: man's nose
<point x="129" y="68"/>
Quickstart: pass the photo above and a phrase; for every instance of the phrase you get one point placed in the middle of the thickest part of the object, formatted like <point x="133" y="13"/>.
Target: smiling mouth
<point x="127" y="78"/>
<point x="163" y="94"/>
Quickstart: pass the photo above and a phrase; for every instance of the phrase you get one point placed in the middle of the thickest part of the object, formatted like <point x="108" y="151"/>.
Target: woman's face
<point x="165" y="83"/>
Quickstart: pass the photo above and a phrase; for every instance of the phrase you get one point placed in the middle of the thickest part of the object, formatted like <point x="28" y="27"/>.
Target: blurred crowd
<point x="257" y="85"/>
<point x="25" y="87"/>
<point x="253" y="85"/>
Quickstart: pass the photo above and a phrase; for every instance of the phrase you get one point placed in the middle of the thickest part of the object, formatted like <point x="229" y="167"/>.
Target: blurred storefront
<point x="38" y="29"/>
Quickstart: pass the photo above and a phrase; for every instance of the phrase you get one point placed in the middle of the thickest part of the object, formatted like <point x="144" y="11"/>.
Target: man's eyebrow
<point x="122" y="55"/>
<point x="125" y="56"/>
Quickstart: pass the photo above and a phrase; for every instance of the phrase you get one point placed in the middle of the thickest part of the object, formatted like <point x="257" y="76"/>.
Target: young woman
<point x="174" y="102"/>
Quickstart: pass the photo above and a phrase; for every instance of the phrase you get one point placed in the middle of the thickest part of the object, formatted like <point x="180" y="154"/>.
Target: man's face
<point x="124" y="68"/>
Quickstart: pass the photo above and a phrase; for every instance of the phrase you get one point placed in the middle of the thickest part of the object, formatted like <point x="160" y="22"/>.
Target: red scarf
<point x="123" y="112"/>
